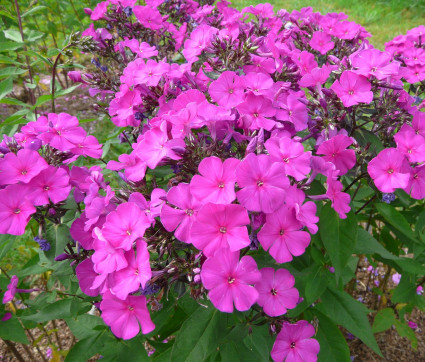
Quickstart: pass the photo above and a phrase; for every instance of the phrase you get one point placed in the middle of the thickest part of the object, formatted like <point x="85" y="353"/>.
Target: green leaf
<point x="339" y="237"/>
<point x="125" y="350"/>
<point x="396" y="220"/>
<point x="404" y="330"/>
<point x="333" y="346"/>
<point x="259" y="343"/>
<point x="316" y="285"/>
<point x="4" y="13"/>
<point x="383" y="320"/>
<point x="58" y="236"/>
<point x="6" y="87"/>
<point x="199" y="335"/>
<point x="6" y="46"/>
<point x="13" y="35"/>
<point x="64" y="308"/>
<point x="83" y="325"/>
<point x="10" y="71"/>
<point x="367" y="244"/>
<point x="6" y="243"/>
<point x="33" y="10"/>
<point x="86" y="348"/>
<point x="39" y="56"/>
<point x="342" y="309"/>
<point x="12" y="330"/>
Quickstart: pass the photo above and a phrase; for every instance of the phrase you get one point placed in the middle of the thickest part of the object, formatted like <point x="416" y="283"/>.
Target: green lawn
<point x="384" y="19"/>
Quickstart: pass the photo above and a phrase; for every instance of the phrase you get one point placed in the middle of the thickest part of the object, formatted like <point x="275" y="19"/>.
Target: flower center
<point x="350" y="92"/>
<point x="273" y="291"/>
<point x="255" y="115"/>
<point x="130" y="307"/>
<point x="286" y="160"/>
<point x="281" y="232"/>
<point x="221" y="185"/>
<point x="293" y="345"/>
<point x="223" y="230"/>
<point x="128" y="232"/>
<point x="17" y="211"/>
<point x="415" y="176"/>
<point x="24" y="172"/>
<point x="230" y="280"/>
<point x="390" y="171"/>
<point x="230" y="91"/>
<point x="260" y="183"/>
<point x="46" y="188"/>
<point x="189" y="212"/>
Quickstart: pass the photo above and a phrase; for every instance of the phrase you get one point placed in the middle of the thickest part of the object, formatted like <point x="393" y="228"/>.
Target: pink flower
<point x="149" y="17"/>
<point x="292" y="110"/>
<point x="230" y="280"/>
<point x="124" y="225"/>
<point x="155" y="146"/>
<point x="89" y="146"/>
<point x="316" y="77"/>
<point x="125" y="316"/>
<point x="410" y="144"/>
<point x="227" y="90"/>
<point x="22" y="167"/>
<point x="124" y="106"/>
<point x="263" y="183"/>
<point x="294" y="343"/>
<point x="416" y="184"/>
<point x="340" y="201"/>
<point x="140" y="72"/>
<point x="11" y="289"/>
<point x="199" y="39"/>
<point x="84" y="237"/>
<point x="321" y="42"/>
<point x="86" y="277"/>
<point x="143" y="49"/>
<point x="52" y="183"/>
<point x="334" y="150"/>
<point x="217" y="183"/>
<point x="389" y="170"/>
<point x="306" y="62"/>
<point x="256" y="111"/>
<point x="182" y="217"/>
<point x="291" y="154"/>
<point x="63" y="132"/>
<point x="373" y="62"/>
<point x="15" y="210"/>
<point x="258" y="83"/>
<point x="99" y="11"/>
<point x="137" y="273"/>
<point x="276" y="292"/>
<point x="282" y="235"/>
<point x="353" y="89"/>
<point x="396" y="278"/>
<point x="220" y="226"/>
<point x="134" y="167"/>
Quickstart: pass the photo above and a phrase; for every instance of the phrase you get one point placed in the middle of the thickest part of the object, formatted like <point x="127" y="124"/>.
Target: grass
<point x="384" y="19"/>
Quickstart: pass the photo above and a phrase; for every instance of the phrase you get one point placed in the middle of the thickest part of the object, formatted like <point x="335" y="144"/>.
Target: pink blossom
<point x="134" y="167"/>
<point x="294" y="343"/>
<point x="15" y="210"/>
<point x="155" y="146"/>
<point x="153" y="207"/>
<point x="51" y="183"/>
<point x="125" y="316"/>
<point x="229" y="280"/>
<point x="99" y="11"/>
<point x="140" y="72"/>
<point x="199" y="39"/>
<point x="22" y="167"/>
<point x="282" y="235"/>
<point x="88" y="147"/>
<point x="149" y="17"/>
<point x="220" y="226"/>
<point x="340" y="201"/>
<point x="124" y="225"/>
<point x="321" y="42"/>
<point x="262" y="182"/>
<point x="306" y="62"/>
<point x="143" y="49"/>
<point x="396" y="278"/>
<point x="216" y="184"/>
<point x="316" y="77"/>
<point x="410" y="144"/>
<point x="258" y="83"/>
<point x="227" y="90"/>
<point x="182" y="217"/>
<point x="276" y="292"/>
<point x="137" y="273"/>
<point x="124" y="106"/>
<point x="11" y="289"/>
<point x="373" y="62"/>
<point x="260" y="65"/>
<point x="256" y="112"/>
<point x="334" y="150"/>
<point x="79" y="234"/>
<point x="292" y="110"/>
<point x="389" y="170"/>
<point x="418" y="123"/>
<point x="291" y="154"/>
<point x="63" y="132"/>
<point x="353" y="89"/>
<point x="416" y="183"/>
<point x="86" y="277"/>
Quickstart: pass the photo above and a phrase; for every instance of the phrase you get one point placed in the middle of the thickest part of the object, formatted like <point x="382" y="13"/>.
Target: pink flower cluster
<point x="29" y="179"/>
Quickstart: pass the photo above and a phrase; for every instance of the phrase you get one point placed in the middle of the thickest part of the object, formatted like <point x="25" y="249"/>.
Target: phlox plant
<point x="260" y="160"/>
